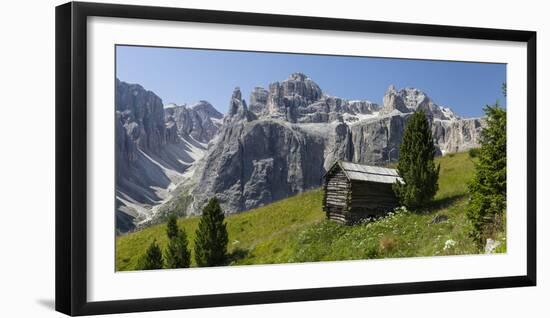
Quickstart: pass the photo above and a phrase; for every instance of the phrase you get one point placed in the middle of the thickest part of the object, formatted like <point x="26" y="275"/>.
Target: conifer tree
<point x="488" y="187"/>
<point x="416" y="164"/>
<point x="152" y="259"/>
<point x="172" y="229"/>
<point x="211" y="236"/>
<point x="177" y="252"/>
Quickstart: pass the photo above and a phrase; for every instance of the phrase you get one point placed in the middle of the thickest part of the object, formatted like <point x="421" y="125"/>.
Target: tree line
<point x="210" y="246"/>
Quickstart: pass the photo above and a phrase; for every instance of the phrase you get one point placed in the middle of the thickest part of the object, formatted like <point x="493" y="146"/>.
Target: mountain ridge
<point x="154" y="148"/>
<point x="284" y="139"/>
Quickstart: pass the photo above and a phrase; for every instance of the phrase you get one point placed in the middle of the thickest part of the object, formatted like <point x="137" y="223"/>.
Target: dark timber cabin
<point x="355" y="191"/>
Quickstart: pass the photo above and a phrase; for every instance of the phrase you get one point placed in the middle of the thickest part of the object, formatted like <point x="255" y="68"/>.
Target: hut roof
<point x="360" y="172"/>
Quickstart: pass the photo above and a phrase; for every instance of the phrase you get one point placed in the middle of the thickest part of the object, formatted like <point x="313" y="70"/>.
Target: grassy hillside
<point x="295" y="229"/>
<point x="263" y="235"/>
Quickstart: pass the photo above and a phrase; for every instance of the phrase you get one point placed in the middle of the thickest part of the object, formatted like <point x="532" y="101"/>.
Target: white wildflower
<point x="449" y="244"/>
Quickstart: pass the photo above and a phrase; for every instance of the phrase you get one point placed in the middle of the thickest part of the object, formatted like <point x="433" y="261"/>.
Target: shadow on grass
<point x="237" y="254"/>
<point x="443" y="203"/>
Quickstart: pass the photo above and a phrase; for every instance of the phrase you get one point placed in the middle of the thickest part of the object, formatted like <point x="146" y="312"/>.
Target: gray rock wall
<point x="154" y="148"/>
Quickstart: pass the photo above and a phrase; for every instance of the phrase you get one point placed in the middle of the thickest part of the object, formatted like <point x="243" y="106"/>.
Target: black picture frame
<point x="71" y="157"/>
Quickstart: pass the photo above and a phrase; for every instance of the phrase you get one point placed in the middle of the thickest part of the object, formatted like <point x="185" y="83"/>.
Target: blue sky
<point x="189" y="75"/>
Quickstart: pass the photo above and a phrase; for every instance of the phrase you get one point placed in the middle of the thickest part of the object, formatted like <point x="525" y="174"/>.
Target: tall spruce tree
<point x="488" y="187"/>
<point x="177" y="253"/>
<point x="172" y="229"/>
<point x="152" y="259"/>
<point x="416" y="163"/>
<point x="211" y="236"/>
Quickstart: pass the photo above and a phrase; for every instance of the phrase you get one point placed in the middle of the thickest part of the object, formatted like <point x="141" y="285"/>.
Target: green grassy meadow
<point x="295" y="229"/>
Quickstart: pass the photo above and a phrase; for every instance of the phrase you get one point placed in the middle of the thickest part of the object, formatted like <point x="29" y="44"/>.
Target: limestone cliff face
<point x="458" y="135"/>
<point x="153" y="149"/>
<point x="142" y="114"/>
<point x="377" y="141"/>
<point x="259" y="160"/>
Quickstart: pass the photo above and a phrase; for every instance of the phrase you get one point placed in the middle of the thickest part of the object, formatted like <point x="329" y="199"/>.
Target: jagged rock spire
<point x="237" y="107"/>
<point x="237" y="93"/>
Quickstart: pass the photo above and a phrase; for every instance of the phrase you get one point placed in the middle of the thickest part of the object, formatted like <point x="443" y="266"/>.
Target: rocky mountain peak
<point x="297" y="84"/>
<point x="410" y="99"/>
<point x="142" y="114"/>
<point x="414" y="97"/>
<point x="393" y="101"/>
<point x="298" y="77"/>
<point x="298" y="99"/>
<point x="204" y="107"/>
<point x="200" y="121"/>
<point x="237" y="93"/>
<point x="285" y="100"/>
<point x="236" y="103"/>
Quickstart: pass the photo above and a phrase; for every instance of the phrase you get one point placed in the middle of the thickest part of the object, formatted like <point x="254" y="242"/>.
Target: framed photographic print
<point x="209" y="158"/>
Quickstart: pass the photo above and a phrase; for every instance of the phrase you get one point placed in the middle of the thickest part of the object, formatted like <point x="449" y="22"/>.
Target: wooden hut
<point x="355" y="191"/>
